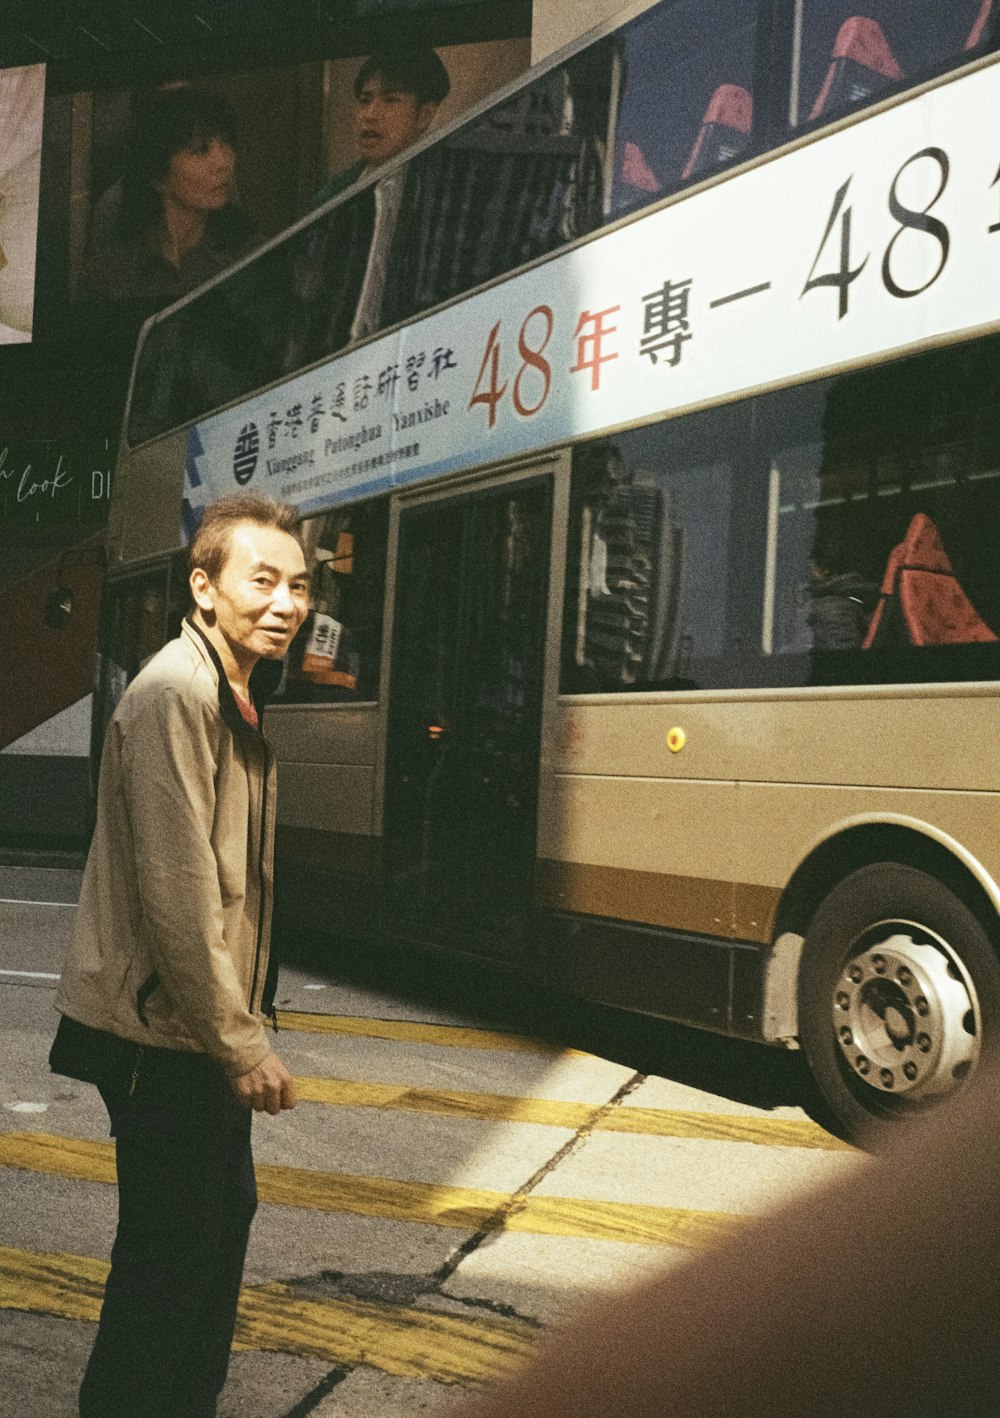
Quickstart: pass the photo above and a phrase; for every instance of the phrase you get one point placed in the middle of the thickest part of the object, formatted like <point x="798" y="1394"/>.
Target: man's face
<point x="388" y="120"/>
<point x="262" y="594"/>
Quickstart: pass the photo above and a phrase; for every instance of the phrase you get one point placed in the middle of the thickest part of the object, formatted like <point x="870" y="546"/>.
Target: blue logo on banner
<point x="246" y="454"/>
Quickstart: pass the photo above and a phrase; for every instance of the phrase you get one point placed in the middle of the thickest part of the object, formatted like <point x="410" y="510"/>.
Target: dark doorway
<point x="465" y="718"/>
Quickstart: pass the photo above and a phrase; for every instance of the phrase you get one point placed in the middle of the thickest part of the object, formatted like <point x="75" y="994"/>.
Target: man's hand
<point x="267" y="1088"/>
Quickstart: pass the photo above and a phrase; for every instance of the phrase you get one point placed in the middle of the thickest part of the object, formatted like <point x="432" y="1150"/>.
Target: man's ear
<point x="425" y="115"/>
<point x="202" y="590"/>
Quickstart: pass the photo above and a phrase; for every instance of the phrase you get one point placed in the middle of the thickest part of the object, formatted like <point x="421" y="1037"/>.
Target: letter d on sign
<point x="100" y="484"/>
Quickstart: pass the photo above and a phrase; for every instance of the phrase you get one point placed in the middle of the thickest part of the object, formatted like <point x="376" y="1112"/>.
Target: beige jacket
<point x="171" y="942"/>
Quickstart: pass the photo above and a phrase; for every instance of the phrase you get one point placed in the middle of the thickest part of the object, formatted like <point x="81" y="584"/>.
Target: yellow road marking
<point x="420" y="1203"/>
<point x="721" y="1127"/>
<point x="59" y="1156"/>
<point x="406" y="1031"/>
<point x="405" y="1342"/>
<point x="498" y="1107"/>
<point x="618" y="1221"/>
<point x="492" y="1107"/>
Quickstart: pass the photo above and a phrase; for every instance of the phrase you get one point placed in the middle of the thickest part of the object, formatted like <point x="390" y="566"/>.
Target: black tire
<point x="899" y="996"/>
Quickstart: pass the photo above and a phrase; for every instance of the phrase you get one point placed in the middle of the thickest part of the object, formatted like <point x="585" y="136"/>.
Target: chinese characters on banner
<point x="870" y="240"/>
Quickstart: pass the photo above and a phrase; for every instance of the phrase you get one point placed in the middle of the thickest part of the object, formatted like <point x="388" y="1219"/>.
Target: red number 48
<point x="534" y="366"/>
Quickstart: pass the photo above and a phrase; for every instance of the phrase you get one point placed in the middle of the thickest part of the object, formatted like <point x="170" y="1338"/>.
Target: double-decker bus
<point x="645" y="429"/>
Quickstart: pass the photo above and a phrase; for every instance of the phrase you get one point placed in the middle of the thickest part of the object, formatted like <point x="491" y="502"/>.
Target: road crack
<point x="400" y="1289"/>
<point x="496" y="1223"/>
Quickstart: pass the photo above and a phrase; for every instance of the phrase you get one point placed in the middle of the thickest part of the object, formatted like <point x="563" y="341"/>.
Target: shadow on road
<point x="730" y="1068"/>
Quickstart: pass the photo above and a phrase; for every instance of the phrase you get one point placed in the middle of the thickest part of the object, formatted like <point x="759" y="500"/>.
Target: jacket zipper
<point x="260" y="872"/>
<point x="237" y="721"/>
<point x="135" y="1071"/>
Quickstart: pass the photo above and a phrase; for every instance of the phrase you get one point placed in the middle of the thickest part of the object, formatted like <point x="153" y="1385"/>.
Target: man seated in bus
<point x="397" y="94"/>
<point x="839" y="598"/>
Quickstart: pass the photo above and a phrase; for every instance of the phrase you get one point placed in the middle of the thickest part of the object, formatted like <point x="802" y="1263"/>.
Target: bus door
<point x="465" y="716"/>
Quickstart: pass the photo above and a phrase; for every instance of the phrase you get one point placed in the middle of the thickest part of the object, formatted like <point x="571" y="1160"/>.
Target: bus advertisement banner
<point x="874" y="239"/>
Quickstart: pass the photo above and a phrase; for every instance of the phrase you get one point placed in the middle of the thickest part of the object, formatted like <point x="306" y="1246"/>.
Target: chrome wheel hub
<point x="905" y="1014"/>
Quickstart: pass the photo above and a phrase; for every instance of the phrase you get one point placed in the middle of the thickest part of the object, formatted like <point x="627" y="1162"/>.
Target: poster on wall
<point x="22" y="102"/>
<point x="52" y="491"/>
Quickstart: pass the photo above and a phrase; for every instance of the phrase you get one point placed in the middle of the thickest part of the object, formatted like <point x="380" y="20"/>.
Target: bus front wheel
<point x="899" y="993"/>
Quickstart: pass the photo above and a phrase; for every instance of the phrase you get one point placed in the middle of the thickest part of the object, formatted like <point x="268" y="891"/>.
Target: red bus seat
<point x="724" y="129"/>
<point x="979" y="28"/>
<point x="636" y="171"/>
<point x="861" y="62"/>
<point x="934" y="608"/>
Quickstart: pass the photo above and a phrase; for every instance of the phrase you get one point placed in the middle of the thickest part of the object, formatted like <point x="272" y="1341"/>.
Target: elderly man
<point x="167" y="978"/>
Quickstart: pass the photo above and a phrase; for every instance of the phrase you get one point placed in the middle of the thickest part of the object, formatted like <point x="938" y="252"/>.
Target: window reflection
<point x="512" y="185"/>
<point x="665" y="100"/>
<point x="854" y="50"/>
<point x="882" y="521"/>
<point x="520" y="181"/>
<point x="843" y="532"/>
<point x="881" y="555"/>
<point x="336" y="654"/>
<point x="648" y="560"/>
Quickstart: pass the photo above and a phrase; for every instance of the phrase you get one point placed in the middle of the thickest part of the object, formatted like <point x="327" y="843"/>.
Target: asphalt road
<point x="470" y="1162"/>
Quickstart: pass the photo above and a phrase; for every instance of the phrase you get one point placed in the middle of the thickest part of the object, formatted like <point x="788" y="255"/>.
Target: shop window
<point x="336" y="655"/>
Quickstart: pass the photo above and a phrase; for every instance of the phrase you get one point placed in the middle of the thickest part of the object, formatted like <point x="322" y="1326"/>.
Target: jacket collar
<point x="228" y="707"/>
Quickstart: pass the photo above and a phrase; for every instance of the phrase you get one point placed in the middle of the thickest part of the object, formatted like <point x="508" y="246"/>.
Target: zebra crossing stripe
<point x="407" y="1031"/>
<point x="419" y="1203"/>
<point x="502" y="1107"/>
<point x="403" y="1341"/>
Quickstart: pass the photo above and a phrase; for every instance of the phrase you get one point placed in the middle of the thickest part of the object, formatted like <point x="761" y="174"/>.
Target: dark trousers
<point x="186" y="1198"/>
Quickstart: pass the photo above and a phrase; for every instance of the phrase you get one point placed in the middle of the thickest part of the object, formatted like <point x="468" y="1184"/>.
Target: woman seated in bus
<point x="176" y="223"/>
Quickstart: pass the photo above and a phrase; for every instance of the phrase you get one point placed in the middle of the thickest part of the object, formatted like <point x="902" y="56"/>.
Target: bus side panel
<point x="660" y="867"/>
<point x="145" y="516"/>
<point x="639" y="849"/>
<point x="634" y="873"/>
<point x="783" y="822"/>
<point x="815" y="769"/>
<point x="697" y="980"/>
<point x="327" y="857"/>
<point x="631" y="831"/>
<point x="863" y="737"/>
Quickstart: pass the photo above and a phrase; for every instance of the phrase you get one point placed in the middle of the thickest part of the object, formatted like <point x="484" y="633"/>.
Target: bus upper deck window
<point x="978" y="32"/>
<point x="686" y="106"/>
<point x="862" y="63"/>
<point x="724" y="131"/>
<point x="854" y="51"/>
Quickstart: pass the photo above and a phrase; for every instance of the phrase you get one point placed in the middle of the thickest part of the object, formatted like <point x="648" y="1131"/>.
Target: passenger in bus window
<point x="839" y="599"/>
<point x="397" y="94"/>
<point x="176" y="223"/>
